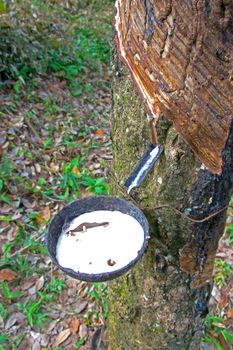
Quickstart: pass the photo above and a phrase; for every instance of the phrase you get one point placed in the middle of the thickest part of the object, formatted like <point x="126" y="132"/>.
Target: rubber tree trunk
<point x="162" y="302"/>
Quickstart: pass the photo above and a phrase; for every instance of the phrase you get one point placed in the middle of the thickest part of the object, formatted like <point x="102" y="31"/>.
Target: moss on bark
<point x="150" y="306"/>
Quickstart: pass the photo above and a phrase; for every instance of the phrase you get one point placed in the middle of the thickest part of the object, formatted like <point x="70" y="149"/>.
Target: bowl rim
<point x="104" y="276"/>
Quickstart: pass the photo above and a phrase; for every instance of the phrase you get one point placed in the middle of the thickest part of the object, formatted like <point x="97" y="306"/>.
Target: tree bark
<point x="162" y="302"/>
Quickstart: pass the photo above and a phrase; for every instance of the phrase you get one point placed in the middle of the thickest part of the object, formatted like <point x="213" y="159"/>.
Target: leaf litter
<point x="50" y="140"/>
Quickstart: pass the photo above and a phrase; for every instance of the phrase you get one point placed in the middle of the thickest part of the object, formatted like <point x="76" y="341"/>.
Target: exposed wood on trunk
<point x="180" y="56"/>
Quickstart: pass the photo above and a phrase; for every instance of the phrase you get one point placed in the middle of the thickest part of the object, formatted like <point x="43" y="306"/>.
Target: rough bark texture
<point x="162" y="302"/>
<point x="180" y="57"/>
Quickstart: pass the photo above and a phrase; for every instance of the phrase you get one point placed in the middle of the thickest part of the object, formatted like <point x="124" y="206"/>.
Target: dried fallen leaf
<point x="44" y="340"/>
<point x="25" y="344"/>
<point x="16" y="216"/>
<point x="62" y="336"/>
<point x="74" y="325"/>
<point x="28" y="283"/>
<point x="54" y="167"/>
<point x="52" y="325"/>
<point x="1" y="322"/>
<point x="27" y="204"/>
<point x="3" y="138"/>
<point x="63" y="298"/>
<point x="99" y="132"/>
<point x="46" y="214"/>
<point x="15" y="317"/>
<point x="218" y="324"/>
<point x="40" y="283"/>
<point x="224" y="299"/>
<point x="222" y="255"/>
<point x="7" y="275"/>
<point x="38" y="168"/>
<point x="216" y="293"/>
<point x="80" y="307"/>
<point x="5" y="209"/>
<point x="76" y="171"/>
<point x="230" y="313"/>
<point x="35" y="335"/>
<point x="36" y="346"/>
<point x="82" y="330"/>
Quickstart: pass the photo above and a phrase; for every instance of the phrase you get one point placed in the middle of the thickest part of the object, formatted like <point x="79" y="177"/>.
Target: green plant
<point x="51" y="107"/>
<point x="231" y="234"/>
<point x="25" y="41"/>
<point x="70" y="181"/>
<point x="224" y="270"/>
<point x="6" y="247"/>
<point x="3" y="311"/>
<point x="23" y="266"/>
<point x="95" y="185"/>
<point x="17" y="340"/>
<point x="2" y="6"/>
<point x="25" y="152"/>
<point x="4" y="338"/>
<point x="35" y="247"/>
<point x="99" y="293"/>
<point x="48" y="142"/>
<point x="9" y="246"/>
<point x="73" y="178"/>
<point x="215" y="331"/>
<point x="46" y="37"/>
<point x="41" y="181"/>
<point x="33" y="312"/>
<point x="8" y="294"/>
<point x="68" y="141"/>
<point x="3" y="194"/>
<point x="55" y="285"/>
<point x="80" y="342"/>
<point x="6" y="168"/>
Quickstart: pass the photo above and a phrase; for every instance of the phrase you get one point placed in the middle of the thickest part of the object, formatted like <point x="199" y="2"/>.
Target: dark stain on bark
<point x="207" y="7"/>
<point x="210" y="193"/>
<point x="149" y="28"/>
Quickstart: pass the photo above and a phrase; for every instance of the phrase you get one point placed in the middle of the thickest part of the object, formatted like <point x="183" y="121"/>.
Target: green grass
<point x="231" y="234"/>
<point x="99" y="293"/>
<point x="8" y="294"/>
<point x="3" y="340"/>
<point x="224" y="271"/>
<point x="75" y="176"/>
<point x="34" y="311"/>
<point x="6" y="168"/>
<point x="215" y="331"/>
<point x="67" y="42"/>
<point x="80" y="342"/>
<point x="3" y="311"/>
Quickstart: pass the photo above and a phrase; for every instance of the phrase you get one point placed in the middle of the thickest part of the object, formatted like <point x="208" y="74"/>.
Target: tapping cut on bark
<point x="180" y="57"/>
